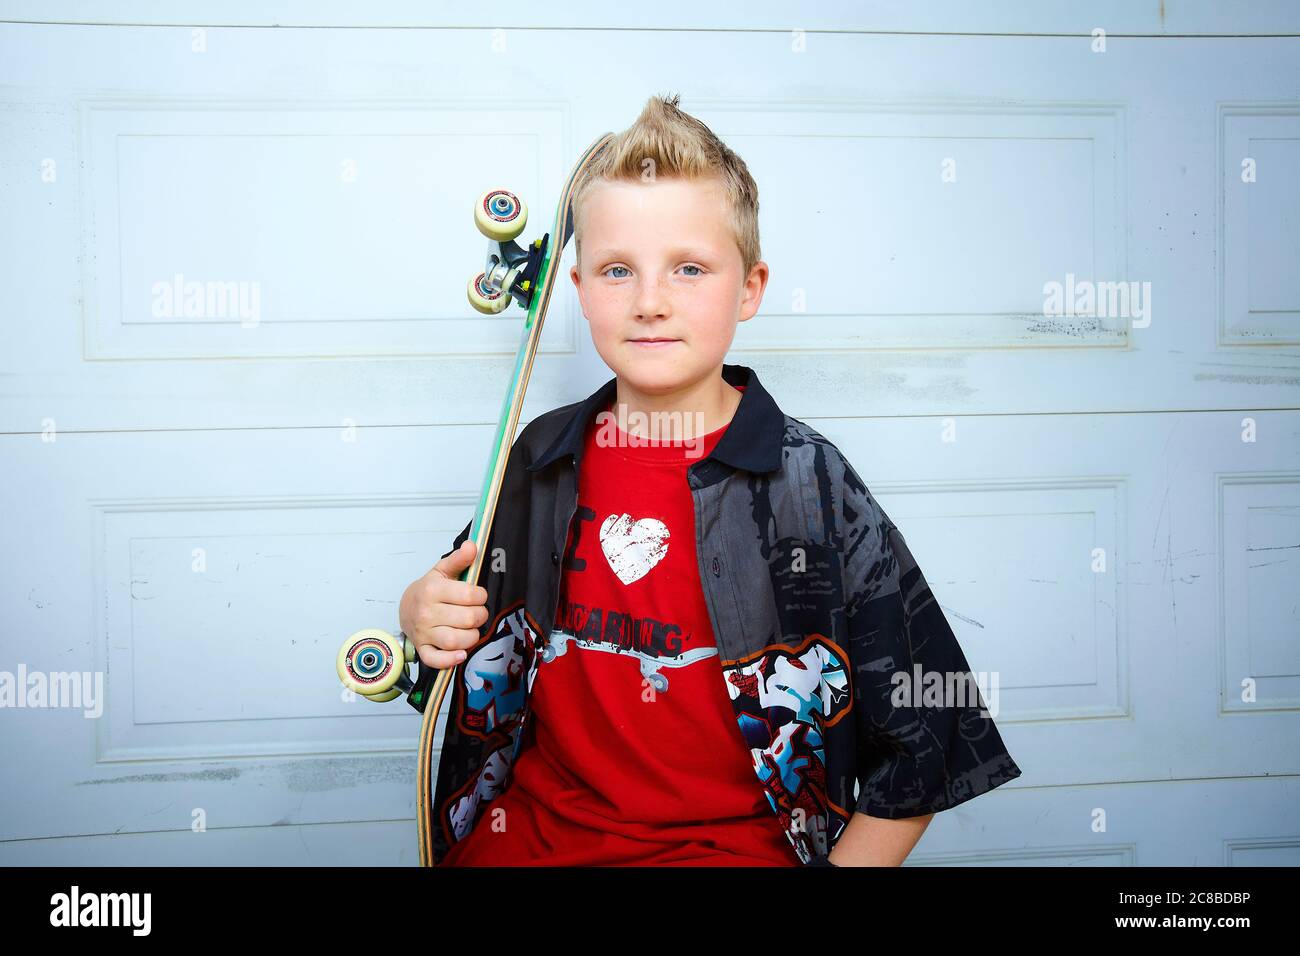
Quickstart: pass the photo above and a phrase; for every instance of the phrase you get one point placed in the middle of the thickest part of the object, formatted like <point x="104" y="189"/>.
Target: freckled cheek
<point x="600" y="307"/>
<point x="715" y="322"/>
<point x="605" y="317"/>
<point x="606" y="302"/>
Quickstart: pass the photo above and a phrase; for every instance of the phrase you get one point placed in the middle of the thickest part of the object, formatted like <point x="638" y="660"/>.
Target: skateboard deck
<point x="530" y="282"/>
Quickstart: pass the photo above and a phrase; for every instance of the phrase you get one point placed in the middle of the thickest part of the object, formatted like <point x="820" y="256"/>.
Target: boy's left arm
<point x="876" y="841"/>
<point x="925" y="740"/>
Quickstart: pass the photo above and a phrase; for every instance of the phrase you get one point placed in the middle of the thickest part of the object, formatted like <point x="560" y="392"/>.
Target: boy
<point x="727" y="611"/>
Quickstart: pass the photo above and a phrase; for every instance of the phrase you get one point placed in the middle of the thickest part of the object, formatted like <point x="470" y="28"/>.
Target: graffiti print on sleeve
<point x="784" y="699"/>
<point x="498" y="676"/>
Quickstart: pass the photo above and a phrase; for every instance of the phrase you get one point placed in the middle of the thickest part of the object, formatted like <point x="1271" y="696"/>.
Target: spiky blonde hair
<point x="679" y="147"/>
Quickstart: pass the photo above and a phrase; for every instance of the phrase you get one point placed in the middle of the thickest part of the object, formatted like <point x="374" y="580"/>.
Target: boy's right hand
<point x="441" y="614"/>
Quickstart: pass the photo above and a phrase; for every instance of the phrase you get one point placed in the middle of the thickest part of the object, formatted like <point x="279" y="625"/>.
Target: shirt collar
<point x="751" y="442"/>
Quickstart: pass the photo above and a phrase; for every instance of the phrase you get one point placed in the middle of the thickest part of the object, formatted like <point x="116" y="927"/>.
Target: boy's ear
<point x="755" y="285"/>
<point x="576" y="276"/>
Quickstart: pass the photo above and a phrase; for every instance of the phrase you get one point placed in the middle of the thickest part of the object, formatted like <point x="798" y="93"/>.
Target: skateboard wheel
<point x="385" y="696"/>
<point x="500" y="215"/>
<point x="483" y="299"/>
<point x="370" y="663"/>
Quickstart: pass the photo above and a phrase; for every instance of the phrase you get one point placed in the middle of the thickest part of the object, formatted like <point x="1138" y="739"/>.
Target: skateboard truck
<point x="511" y="269"/>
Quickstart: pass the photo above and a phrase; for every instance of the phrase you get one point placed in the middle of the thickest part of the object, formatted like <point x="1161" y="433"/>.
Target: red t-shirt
<point x="632" y="755"/>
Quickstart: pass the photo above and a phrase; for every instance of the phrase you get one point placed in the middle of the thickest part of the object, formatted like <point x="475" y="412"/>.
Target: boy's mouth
<point x="653" y="342"/>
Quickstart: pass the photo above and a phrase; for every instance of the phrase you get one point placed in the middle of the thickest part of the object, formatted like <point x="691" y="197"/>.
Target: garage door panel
<point x="277" y="231"/>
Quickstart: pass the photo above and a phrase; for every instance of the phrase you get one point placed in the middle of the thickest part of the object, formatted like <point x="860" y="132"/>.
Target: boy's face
<point x="659" y="261"/>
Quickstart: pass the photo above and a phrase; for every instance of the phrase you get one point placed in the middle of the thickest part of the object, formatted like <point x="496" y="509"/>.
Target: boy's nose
<point x="652" y="299"/>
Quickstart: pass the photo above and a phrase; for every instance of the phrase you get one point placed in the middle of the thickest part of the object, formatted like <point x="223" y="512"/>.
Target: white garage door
<point x="199" y="504"/>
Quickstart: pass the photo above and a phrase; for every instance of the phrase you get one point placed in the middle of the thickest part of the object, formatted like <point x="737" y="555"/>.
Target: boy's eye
<point x="698" y="271"/>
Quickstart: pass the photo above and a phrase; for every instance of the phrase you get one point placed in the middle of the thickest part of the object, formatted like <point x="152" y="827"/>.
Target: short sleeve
<point x="925" y="741"/>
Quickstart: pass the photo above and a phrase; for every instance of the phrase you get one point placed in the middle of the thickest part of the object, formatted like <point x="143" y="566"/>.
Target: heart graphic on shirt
<point x="632" y="548"/>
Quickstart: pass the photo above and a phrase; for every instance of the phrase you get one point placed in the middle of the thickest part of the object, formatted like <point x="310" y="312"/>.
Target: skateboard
<point x="372" y="662"/>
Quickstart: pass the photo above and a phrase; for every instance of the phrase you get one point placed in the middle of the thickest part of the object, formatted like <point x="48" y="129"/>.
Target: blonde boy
<point x="693" y="649"/>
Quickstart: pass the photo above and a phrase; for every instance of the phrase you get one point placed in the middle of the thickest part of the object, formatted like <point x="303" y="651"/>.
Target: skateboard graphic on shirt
<point x="558" y="642"/>
<point x="372" y="662"/>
